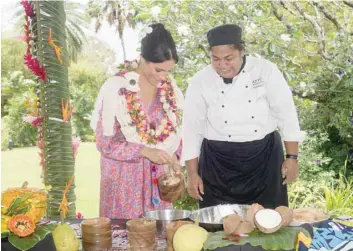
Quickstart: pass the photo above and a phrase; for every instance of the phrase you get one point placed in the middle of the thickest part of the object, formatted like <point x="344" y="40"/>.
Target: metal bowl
<point x="163" y="217"/>
<point x="211" y="218"/>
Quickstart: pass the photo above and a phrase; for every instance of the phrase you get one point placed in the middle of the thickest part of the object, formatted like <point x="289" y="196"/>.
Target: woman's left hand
<point x="290" y="170"/>
<point x="175" y="164"/>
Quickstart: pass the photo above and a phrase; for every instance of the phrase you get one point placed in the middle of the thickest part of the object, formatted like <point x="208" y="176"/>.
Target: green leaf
<point x="5" y="234"/>
<point x="25" y="243"/>
<point x="284" y="239"/>
<point x="143" y="16"/>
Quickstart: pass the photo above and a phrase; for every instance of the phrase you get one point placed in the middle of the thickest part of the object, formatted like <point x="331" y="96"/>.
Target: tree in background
<point x="310" y="41"/>
<point x="117" y="13"/>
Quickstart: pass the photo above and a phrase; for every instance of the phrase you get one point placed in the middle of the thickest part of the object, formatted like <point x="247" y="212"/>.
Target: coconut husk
<point x="286" y="213"/>
<point x="236" y="224"/>
<point x="171" y="188"/>
<point x="253" y="209"/>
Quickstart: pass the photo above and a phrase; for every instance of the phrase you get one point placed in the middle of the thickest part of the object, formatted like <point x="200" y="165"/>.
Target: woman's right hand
<point x="156" y="156"/>
<point x="195" y="186"/>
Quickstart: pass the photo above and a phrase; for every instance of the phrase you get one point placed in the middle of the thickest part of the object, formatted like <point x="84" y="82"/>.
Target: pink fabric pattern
<point x="128" y="181"/>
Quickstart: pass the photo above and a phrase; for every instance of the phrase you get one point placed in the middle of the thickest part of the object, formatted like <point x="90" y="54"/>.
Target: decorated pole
<point x="47" y="58"/>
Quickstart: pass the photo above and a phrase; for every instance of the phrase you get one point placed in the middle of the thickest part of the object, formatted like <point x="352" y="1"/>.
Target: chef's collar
<point x="230" y="80"/>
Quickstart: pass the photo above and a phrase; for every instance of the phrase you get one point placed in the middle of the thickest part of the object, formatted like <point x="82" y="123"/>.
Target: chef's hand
<point x="290" y="170"/>
<point x="195" y="186"/>
<point x="156" y="156"/>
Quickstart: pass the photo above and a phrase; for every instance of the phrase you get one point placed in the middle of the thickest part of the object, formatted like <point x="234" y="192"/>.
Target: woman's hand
<point x="175" y="164"/>
<point x="156" y="156"/>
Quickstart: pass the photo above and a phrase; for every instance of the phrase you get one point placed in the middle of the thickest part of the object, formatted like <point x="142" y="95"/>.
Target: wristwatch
<point x="292" y="156"/>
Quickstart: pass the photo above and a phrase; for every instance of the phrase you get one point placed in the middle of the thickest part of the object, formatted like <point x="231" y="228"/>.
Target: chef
<point x="237" y="111"/>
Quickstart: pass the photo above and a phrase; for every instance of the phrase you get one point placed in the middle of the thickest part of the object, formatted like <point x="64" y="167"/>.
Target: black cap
<point x="224" y="35"/>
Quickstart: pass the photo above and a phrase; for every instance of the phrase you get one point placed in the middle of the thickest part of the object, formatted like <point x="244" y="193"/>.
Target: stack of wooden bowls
<point x="172" y="227"/>
<point x="96" y="234"/>
<point x="142" y="234"/>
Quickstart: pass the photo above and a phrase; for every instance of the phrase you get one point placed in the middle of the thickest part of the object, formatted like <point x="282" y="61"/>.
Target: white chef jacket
<point x="257" y="103"/>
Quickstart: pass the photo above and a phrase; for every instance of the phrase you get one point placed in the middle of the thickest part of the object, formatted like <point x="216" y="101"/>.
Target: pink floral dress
<point x="129" y="184"/>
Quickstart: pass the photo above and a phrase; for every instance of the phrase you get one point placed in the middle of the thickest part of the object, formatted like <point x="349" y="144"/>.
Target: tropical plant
<point x="77" y="22"/>
<point x="47" y="57"/>
<point x="117" y="13"/>
<point x="338" y="197"/>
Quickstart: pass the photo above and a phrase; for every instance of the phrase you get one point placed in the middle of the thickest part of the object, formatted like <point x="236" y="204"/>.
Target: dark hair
<point x="239" y="47"/>
<point x="158" y="46"/>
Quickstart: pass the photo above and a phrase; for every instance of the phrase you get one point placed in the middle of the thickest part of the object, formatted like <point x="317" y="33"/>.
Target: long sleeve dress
<point x="129" y="182"/>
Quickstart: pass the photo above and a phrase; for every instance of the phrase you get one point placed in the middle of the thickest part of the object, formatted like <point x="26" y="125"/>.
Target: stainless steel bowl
<point x="211" y="218"/>
<point x="163" y="217"/>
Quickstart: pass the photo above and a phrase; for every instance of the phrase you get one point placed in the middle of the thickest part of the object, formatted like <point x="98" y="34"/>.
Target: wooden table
<point x="120" y="240"/>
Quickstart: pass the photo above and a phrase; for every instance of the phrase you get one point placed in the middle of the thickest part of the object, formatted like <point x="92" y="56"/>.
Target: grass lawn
<point x="22" y="164"/>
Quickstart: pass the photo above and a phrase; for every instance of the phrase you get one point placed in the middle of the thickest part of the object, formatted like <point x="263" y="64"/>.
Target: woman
<point x="233" y="108"/>
<point x="137" y="129"/>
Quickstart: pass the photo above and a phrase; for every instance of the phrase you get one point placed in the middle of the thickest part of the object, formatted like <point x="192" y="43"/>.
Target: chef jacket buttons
<point x="246" y="86"/>
<point x="249" y="101"/>
<point x="225" y="122"/>
<point x="230" y="136"/>
<point x="252" y="117"/>
<point x="222" y="92"/>
<point x="255" y="130"/>
<point x="223" y="106"/>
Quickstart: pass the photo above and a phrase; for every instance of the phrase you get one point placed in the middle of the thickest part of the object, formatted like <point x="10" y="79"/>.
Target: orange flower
<point x="21" y="225"/>
<point x="57" y="49"/>
<point x="66" y="112"/>
<point x="64" y="205"/>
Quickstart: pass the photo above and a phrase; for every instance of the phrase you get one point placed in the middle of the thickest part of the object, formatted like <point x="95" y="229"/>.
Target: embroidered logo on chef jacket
<point x="257" y="83"/>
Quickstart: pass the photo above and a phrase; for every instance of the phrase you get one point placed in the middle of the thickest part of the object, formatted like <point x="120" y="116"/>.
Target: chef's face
<point x="226" y="60"/>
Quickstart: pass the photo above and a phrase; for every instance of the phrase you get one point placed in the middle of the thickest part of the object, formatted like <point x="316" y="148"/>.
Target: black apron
<point x="243" y="172"/>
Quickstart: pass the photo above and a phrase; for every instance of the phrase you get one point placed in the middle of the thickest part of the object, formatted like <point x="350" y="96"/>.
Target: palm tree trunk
<point x="123" y="45"/>
<point x="59" y="161"/>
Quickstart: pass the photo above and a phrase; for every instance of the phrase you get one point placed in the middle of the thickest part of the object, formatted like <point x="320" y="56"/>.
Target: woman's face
<point x="155" y="73"/>
<point x="226" y="60"/>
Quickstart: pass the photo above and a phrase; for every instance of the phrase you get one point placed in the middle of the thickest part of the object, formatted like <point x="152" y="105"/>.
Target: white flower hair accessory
<point x="143" y="30"/>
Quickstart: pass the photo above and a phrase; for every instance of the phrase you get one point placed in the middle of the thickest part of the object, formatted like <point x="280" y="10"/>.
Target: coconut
<point x="287" y="215"/>
<point x="231" y="222"/>
<point x="236" y="224"/>
<point x="253" y="209"/>
<point x="171" y="188"/>
<point x="268" y="220"/>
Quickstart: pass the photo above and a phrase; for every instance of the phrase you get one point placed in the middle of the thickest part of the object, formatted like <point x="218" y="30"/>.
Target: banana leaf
<point x="284" y="239"/>
<point x="25" y="243"/>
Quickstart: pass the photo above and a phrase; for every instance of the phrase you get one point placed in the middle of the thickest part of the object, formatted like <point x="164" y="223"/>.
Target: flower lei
<point x="149" y="133"/>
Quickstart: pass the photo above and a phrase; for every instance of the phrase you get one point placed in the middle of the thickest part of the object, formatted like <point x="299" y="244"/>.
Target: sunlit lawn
<point x="22" y="164"/>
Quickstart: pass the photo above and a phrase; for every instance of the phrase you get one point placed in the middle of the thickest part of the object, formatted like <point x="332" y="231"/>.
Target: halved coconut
<point x="236" y="224"/>
<point x="268" y="220"/>
<point x="253" y="209"/>
<point x="287" y="215"/>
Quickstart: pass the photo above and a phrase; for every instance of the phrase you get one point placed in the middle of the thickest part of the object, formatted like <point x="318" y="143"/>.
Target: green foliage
<point x="85" y="84"/>
<point x="12" y="52"/>
<point x="14" y="89"/>
<point x="317" y="65"/>
<point x="338" y="198"/>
